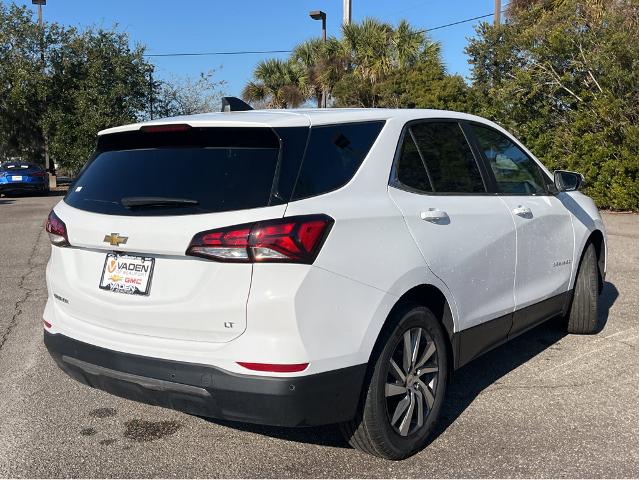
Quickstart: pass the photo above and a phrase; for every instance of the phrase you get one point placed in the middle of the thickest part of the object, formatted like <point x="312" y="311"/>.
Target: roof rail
<point x="234" y="104"/>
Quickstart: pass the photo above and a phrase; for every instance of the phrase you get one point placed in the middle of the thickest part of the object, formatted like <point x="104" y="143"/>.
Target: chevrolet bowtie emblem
<point x="115" y="239"/>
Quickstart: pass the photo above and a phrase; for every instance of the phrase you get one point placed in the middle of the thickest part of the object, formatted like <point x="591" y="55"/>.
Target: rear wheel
<point x="405" y="387"/>
<point x="583" y="314"/>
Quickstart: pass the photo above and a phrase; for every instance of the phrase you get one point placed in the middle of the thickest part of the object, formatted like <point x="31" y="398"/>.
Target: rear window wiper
<point x="141" y="202"/>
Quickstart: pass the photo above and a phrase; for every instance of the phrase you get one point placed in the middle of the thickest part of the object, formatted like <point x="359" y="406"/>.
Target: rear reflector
<point x="46" y="324"/>
<point x="57" y="230"/>
<point x="274" y="367"/>
<point x="175" y="127"/>
<point x="291" y="240"/>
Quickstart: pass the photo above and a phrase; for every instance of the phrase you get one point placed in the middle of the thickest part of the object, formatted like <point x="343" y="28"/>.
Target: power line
<point x="196" y="54"/>
<point x="262" y="52"/>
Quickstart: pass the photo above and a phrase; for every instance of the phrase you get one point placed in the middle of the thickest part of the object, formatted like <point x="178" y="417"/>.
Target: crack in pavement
<point x="17" y="308"/>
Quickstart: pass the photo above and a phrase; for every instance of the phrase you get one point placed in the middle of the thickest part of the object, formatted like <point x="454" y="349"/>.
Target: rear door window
<point x="436" y="158"/>
<point x="221" y="171"/>
<point x="333" y="154"/>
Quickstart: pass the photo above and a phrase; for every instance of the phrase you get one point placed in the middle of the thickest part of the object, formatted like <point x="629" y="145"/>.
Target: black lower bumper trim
<point x="207" y="391"/>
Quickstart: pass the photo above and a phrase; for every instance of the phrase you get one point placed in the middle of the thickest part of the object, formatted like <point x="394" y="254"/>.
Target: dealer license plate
<point x="127" y="274"/>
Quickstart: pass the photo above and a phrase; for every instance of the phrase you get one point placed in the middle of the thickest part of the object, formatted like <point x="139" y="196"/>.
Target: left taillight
<point x="57" y="230"/>
<point x="284" y="240"/>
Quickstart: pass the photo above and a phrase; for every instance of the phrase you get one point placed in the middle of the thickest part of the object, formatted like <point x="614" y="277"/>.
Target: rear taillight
<point x="38" y="174"/>
<point x="57" y="230"/>
<point x="290" y="240"/>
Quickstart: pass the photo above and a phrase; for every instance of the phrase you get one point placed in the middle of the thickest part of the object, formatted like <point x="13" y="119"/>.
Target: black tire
<point x="583" y="314"/>
<point x="372" y="430"/>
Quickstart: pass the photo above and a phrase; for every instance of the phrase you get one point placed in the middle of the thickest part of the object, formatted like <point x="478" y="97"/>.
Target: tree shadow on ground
<point x="466" y="384"/>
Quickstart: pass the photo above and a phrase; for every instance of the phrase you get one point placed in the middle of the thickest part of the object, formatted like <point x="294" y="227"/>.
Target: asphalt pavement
<point x="545" y="405"/>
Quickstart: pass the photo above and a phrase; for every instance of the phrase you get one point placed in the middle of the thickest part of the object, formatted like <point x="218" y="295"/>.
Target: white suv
<point x="307" y="267"/>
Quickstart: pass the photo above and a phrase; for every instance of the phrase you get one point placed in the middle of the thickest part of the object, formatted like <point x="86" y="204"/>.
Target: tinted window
<point x="217" y="178"/>
<point x="410" y="168"/>
<point x="514" y="171"/>
<point x="447" y="159"/>
<point x="333" y="155"/>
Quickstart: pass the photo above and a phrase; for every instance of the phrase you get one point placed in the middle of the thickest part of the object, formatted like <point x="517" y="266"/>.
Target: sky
<point x="171" y="26"/>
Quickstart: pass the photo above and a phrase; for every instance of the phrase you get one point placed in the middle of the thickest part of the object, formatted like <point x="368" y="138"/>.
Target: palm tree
<point x="276" y="82"/>
<point x="323" y="63"/>
<point x="308" y="54"/>
<point x="376" y="49"/>
<point x="408" y="44"/>
<point x="369" y="44"/>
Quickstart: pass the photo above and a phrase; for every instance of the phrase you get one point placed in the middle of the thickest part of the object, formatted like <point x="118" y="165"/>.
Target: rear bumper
<point x="22" y="187"/>
<point x="317" y="399"/>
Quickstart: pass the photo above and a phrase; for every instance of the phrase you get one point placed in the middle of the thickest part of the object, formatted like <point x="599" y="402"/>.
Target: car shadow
<point x="6" y="201"/>
<point x="56" y="193"/>
<point x="22" y="194"/>
<point x="466" y="385"/>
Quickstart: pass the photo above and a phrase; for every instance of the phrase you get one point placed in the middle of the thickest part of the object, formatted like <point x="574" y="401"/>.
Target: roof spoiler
<point x="234" y="104"/>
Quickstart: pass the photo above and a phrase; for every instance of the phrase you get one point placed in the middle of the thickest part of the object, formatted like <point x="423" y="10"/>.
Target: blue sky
<point x="167" y="26"/>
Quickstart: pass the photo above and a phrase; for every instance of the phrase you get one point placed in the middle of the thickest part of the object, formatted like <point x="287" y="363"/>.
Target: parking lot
<point x="544" y="405"/>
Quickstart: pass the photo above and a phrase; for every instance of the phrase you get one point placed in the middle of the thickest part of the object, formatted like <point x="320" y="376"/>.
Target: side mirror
<point x="568" y="181"/>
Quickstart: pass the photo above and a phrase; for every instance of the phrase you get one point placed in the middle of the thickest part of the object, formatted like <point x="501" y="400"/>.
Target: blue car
<point x="23" y="177"/>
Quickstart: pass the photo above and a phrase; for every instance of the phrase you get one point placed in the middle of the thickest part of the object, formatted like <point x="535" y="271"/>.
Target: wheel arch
<point x="598" y="240"/>
<point x="432" y="297"/>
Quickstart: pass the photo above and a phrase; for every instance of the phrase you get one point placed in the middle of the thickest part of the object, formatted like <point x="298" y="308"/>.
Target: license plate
<point x="16" y="178"/>
<point x="127" y="274"/>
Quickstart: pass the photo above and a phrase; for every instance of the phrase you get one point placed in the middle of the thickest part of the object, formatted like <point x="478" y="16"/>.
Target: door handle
<point x="433" y="215"/>
<point x="522" y="211"/>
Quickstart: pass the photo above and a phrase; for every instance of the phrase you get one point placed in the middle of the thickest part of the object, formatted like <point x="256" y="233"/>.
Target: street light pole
<point x="319" y="15"/>
<point x="48" y="165"/>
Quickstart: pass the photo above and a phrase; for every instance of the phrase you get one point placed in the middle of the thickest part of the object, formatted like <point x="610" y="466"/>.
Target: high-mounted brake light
<point x="174" y="127"/>
<point x="289" y="240"/>
<point x="57" y="230"/>
<point x="274" y="367"/>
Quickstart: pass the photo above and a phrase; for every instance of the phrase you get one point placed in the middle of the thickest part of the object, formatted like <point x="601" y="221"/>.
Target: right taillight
<point x="288" y="240"/>
<point x="57" y="230"/>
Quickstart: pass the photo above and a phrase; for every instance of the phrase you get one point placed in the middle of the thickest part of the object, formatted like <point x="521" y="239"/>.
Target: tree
<point x="424" y="84"/>
<point x="323" y="63"/>
<point x="185" y="96"/>
<point x="22" y="84"/>
<point x="349" y="71"/>
<point x="88" y="81"/>
<point x="95" y="81"/>
<point x="563" y="75"/>
<point x="276" y="82"/>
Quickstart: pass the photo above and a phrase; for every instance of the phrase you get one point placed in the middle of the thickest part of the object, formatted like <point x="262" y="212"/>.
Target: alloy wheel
<point x="411" y="381"/>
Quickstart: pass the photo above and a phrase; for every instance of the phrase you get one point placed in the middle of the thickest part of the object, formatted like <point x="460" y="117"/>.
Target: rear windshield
<point x="208" y="170"/>
<point x="161" y="176"/>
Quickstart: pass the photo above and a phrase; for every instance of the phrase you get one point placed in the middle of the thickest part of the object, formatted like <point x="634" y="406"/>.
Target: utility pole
<point x="48" y="165"/>
<point x="347" y="12"/>
<point x="497" y="12"/>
